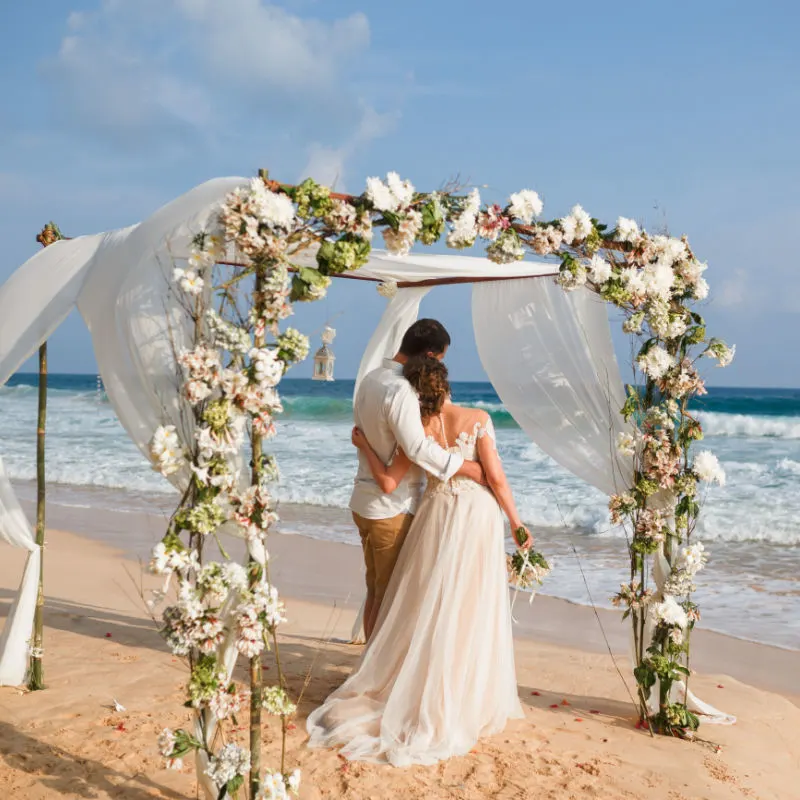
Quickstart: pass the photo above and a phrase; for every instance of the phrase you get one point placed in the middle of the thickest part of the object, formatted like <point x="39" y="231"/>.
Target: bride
<point x="438" y="671"/>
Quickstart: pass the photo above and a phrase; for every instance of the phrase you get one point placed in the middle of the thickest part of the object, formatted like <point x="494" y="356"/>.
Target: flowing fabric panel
<point x="16" y="531"/>
<point x="427" y="266"/>
<point x="136" y="321"/>
<point x="549" y="356"/>
<point x="34" y="301"/>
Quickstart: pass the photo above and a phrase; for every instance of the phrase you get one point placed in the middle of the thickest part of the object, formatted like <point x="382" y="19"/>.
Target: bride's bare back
<point x="457" y="420"/>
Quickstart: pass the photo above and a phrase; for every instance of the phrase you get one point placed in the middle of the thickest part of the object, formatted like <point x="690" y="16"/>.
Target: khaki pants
<point x="381" y="540"/>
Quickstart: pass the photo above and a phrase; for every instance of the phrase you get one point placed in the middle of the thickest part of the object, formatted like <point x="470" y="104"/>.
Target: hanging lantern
<point x="324" y="357"/>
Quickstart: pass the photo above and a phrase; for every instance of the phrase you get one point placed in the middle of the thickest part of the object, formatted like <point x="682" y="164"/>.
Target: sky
<point x="684" y="115"/>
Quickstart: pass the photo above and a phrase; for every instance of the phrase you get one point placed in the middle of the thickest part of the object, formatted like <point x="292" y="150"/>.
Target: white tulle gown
<point x="438" y="672"/>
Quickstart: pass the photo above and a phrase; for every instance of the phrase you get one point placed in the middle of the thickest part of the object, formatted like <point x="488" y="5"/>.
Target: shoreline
<point x="142" y="529"/>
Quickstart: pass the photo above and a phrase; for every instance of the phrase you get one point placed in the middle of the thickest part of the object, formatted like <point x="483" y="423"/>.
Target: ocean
<point x="751" y="526"/>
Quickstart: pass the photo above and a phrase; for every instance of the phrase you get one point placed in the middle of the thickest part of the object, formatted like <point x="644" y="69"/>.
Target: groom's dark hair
<point x="423" y="337"/>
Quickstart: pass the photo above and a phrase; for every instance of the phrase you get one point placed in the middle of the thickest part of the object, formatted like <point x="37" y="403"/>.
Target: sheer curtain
<point x="549" y="356"/>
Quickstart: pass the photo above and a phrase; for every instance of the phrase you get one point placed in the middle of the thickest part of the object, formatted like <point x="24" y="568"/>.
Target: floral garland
<point x="230" y="380"/>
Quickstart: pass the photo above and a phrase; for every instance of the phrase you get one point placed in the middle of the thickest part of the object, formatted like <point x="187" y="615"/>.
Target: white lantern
<point x="324" y="357"/>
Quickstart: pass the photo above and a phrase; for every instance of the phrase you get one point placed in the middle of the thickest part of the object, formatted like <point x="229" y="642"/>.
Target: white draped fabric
<point x="549" y="354"/>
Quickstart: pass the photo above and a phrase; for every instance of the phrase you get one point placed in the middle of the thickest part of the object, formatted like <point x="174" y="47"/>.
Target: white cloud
<point x="328" y="164"/>
<point x="257" y="43"/>
<point x="137" y="70"/>
<point x="733" y="291"/>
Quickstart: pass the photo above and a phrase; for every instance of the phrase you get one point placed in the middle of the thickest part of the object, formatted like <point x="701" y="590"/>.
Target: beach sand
<point x="577" y="739"/>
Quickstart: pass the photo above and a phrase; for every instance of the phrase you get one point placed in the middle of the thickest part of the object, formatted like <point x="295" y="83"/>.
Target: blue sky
<point x="684" y="114"/>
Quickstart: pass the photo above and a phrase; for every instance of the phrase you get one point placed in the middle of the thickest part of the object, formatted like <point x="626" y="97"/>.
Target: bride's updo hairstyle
<point x="428" y="377"/>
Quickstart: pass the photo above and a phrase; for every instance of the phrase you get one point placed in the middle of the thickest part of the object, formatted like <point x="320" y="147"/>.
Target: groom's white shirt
<point x="386" y="409"/>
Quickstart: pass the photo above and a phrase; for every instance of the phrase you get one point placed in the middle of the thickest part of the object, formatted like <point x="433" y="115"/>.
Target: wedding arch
<point x="186" y="313"/>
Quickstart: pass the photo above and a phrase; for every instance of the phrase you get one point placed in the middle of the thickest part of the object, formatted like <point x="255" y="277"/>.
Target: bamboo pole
<point x="256" y="575"/>
<point x="48" y="235"/>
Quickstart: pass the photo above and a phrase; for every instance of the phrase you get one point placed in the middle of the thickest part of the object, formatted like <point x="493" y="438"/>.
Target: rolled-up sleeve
<point x="404" y="419"/>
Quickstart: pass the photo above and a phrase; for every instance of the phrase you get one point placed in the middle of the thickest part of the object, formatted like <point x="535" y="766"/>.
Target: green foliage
<point x="432" y="222"/>
<point x="308" y="284"/>
<point x="204" y="680"/>
<point x="347" y="253"/>
<point x="632" y="403"/>
<point x="313" y="199"/>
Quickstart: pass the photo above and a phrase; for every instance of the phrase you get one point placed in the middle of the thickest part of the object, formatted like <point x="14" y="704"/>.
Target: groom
<point x="386" y="409"/>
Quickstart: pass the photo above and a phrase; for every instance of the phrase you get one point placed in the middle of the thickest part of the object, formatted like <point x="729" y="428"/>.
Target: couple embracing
<point x="438" y="669"/>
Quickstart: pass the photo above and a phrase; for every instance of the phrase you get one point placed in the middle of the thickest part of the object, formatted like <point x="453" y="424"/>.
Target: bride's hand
<point x="526" y="539"/>
<point x="358" y="439"/>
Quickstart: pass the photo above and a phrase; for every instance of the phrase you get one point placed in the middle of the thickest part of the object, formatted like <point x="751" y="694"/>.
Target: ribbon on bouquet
<point x="525" y="564"/>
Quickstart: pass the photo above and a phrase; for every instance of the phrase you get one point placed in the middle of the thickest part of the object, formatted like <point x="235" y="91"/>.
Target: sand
<point x="577" y="739"/>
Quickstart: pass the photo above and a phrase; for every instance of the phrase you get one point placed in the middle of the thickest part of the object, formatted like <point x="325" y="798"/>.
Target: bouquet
<point x="526" y="568"/>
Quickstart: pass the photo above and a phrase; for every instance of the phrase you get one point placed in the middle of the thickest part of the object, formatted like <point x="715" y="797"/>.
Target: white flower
<point x="276" y="786"/>
<point x="276" y="210"/>
<point x="403" y="191"/>
<point x="626" y="444"/>
<point x="387" y="289"/>
<point x="188" y="280"/>
<point x="393" y="196"/>
<point x="571" y="279"/>
<point x="267" y="367"/>
<point x="166" y="742"/>
<point x="275" y="701"/>
<point x="599" y="270"/>
<point x="506" y="249"/>
<point x="656" y="362"/>
<point x="700" y="291"/>
<point x="707" y="468"/>
<point x="165" y="450"/>
<point x="723" y="353"/>
<point x="464" y="229"/>
<point x="627" y="230"/>
<point x="196" y="391"/>
<point x="693" y="270"/>
<point x="231" y="761"/>
<point x="658" y="280"/>
<point x="633" y="281"/>
<point x="399" y="242"/>
<point x="693" y="558"/>
<point x="668" y="250"/>
<point x="669" y="612"/>
<point x="576" y="226"/>
<point x="525" y="205"/>
<point x="164" y="561"/>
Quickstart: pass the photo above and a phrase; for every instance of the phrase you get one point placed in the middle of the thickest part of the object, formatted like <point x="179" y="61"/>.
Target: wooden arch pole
<point x="50" y="234"/>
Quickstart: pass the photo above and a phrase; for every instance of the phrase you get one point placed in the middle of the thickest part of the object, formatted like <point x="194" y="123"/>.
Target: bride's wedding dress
<point x="438" y="672"/>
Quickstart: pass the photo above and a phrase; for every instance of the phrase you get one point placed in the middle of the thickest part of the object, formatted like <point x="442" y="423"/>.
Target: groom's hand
<point x="474" y="471"/>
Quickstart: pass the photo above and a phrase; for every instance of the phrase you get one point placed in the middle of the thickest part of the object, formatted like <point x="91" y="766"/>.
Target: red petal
<point x="108" y="636"/>
<point x="536" y="694"/>
<point x="720" y="686"/>
<point x="555" y="705"/>
<point x="578" y="719"/>
<point x="564" y="703"/>
<point x="594" y="712"/>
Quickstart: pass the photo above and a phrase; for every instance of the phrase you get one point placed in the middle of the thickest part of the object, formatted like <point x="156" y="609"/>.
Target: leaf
<point x="234" y="784"/>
